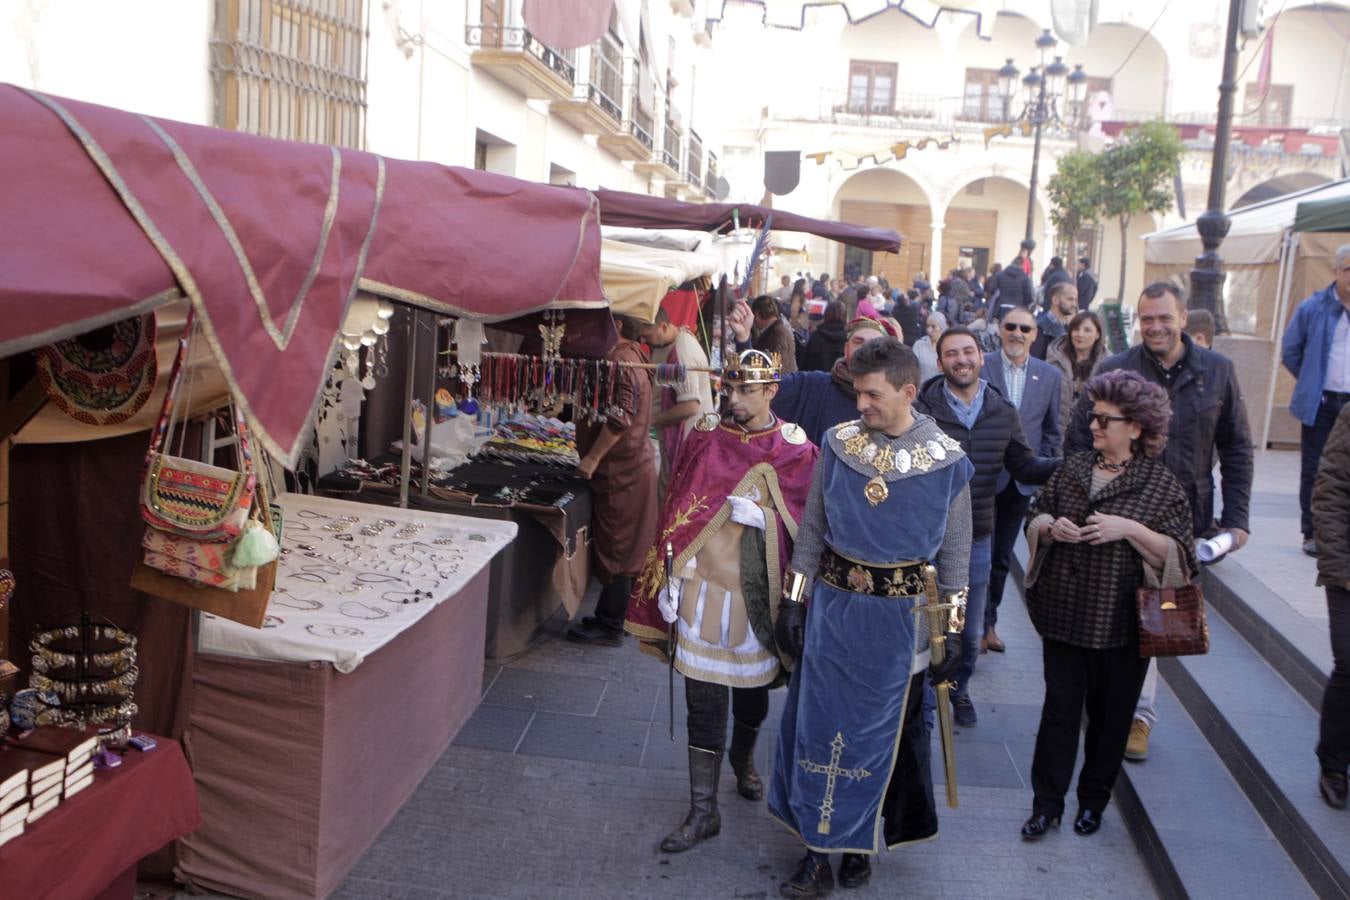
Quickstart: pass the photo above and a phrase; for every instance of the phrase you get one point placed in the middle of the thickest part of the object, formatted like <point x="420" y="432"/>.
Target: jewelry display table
<point x="305" y="746"/>
<point x="88" y="846"/>
<point x="545" y="569"/>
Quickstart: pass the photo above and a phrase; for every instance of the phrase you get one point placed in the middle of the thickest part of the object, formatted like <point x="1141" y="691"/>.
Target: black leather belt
<point x="1338" y="396"/>
<point x="903" y="579"/>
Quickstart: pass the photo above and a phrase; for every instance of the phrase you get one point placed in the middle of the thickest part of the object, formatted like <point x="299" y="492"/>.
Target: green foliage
<point x="1075" y="192"/>
<point x="1136" y="172"/>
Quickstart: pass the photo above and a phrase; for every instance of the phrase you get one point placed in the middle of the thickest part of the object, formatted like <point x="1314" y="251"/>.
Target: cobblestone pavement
<point x="565" y="780"/>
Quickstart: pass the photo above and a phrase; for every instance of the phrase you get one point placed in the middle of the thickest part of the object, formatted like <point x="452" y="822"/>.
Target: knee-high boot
<point x="703" y="821"/>
<point x="742" y="759"/>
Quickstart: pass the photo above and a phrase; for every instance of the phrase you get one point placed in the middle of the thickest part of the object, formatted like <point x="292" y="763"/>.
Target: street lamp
<point x="1044" y="86"/>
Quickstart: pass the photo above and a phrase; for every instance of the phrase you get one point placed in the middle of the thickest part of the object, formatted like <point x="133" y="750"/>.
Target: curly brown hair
<point x="1140" y="401"/>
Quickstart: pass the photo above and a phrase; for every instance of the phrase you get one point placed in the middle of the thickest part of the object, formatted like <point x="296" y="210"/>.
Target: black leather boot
<point x="703" y="821"/>
<point x="742" y="759"/>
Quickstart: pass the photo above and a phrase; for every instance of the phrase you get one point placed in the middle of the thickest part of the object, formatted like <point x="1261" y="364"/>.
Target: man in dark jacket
<point x="771" y="333"/>
<point x="1012" y="287"/>
<point x="1209" y="418"/>
<point x="1055" y="274"/>
<point x="1331" y="528"/>
<point x="989" y="430"/>
<point x="1087" y="283"/>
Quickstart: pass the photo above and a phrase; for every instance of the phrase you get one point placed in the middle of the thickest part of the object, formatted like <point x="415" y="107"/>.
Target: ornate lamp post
<point x="1208" y="276"/>
<point x="1044" y="87"/>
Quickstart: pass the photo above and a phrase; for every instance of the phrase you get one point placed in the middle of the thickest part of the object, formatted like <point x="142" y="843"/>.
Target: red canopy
<point x="105" y="214"/>
<point x="641" y="211"/>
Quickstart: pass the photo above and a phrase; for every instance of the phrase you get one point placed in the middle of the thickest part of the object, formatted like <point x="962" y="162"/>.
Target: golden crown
<point x="755" y="367"/>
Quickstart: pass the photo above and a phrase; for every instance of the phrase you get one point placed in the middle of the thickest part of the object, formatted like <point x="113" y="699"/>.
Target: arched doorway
<point x="1278" y="187"/>
<point x="887" y="198"/>
<point x="985" y="220"/>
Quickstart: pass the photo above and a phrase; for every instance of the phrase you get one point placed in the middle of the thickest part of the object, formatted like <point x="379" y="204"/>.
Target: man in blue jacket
<point x="1317" y="354"/>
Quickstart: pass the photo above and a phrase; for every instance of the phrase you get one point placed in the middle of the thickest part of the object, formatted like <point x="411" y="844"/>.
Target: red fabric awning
<point x="642" y="211"/>
<point x="105" y="214"/>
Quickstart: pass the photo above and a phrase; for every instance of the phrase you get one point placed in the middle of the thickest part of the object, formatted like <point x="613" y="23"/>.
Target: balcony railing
<point x="505" y="37"/>
<point x="670" y="147"/>
<point x="694" y="159"/>
<point x="605" y="88"/>
<point x="640" y="126"/>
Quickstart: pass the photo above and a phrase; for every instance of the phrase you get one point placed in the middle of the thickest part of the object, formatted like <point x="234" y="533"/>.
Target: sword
<point x="937" y="613"/>
<point x="670" y="637"/>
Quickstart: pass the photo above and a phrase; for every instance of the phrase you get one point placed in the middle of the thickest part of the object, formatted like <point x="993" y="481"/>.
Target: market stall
<point x="108" y="216"/>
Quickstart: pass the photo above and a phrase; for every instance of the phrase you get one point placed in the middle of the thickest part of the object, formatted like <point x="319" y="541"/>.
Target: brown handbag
<point x="1172" y="621"/>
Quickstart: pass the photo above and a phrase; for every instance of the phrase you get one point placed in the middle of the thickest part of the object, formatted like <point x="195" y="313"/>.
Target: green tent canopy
<point x="1323" y="215"/>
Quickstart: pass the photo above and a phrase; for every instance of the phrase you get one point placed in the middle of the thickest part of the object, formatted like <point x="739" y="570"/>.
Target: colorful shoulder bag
<point x="187" y="497"/>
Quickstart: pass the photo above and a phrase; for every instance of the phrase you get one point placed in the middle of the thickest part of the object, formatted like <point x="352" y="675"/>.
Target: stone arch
<point x="892" y="196"/>
<point x="1279" y="186"/>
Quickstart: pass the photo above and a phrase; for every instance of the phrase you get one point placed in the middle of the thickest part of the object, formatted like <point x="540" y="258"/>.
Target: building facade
<point x="458" y="82"/>
<point x="893" y="118"/>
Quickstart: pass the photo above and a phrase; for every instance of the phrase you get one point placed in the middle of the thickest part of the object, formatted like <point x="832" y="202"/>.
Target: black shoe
<point x="854" y="871"/>
<point x="1310" y="547"/>
<point x="1034" y="829"/>
<point x="813" y="878"/>
<point x="1087" y="822"/>
<point x="963" y="712"/>
<point x="1333" y="788"/>
<point x="591" y="630"/>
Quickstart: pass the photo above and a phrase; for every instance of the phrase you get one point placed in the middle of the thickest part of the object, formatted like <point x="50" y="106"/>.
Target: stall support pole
<point x="432" y="351"/>
<point x="406" y="471"/>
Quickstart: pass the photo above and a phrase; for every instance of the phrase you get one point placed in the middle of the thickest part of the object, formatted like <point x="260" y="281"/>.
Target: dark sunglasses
<point x="1013" y="326"/>
<point x="1104" y="421"/>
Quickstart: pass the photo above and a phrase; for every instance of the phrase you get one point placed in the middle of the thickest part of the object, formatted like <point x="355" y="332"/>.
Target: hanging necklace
<point x="1106" y="465"/>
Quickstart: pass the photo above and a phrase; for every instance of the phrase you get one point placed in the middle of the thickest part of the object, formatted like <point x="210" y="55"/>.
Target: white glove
<point x="747" y="512"/>
<point x="668" y="601"/>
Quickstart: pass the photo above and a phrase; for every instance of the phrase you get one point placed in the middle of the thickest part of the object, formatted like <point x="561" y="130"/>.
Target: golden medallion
<point x="876" y="491"/>
<point x="707" y="422"/>
<point x="923" y="460"/>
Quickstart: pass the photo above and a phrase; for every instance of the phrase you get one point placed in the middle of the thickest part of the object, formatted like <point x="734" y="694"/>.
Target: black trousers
<point x="706" y="706"/>
<point x="1333" y="746"/>
<point x="1010" y="512"/>
<point x="1312" y="440"/>
<point x="612" y="606"/>
<point x="1107" y="682"/>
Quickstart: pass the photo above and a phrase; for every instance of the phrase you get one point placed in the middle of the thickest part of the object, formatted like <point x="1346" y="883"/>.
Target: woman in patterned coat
<point x="1111" y="520"/>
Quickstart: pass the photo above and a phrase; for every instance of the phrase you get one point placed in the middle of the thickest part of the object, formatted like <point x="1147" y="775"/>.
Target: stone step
<point x="1296" y="649"/>
<point x="1265" y="731"/>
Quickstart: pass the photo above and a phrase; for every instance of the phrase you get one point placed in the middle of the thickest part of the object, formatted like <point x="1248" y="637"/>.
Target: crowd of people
<point x="844" y="524"/>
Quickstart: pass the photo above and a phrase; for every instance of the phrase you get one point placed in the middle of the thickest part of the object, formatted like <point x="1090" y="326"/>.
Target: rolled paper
<point x="1210" y="550"/>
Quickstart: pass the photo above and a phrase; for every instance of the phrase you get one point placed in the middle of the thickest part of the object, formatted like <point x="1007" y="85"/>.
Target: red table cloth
<point x="78" y="849"/>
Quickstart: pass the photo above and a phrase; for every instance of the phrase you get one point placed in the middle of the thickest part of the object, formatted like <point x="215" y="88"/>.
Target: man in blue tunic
<point x="889" y="502"/>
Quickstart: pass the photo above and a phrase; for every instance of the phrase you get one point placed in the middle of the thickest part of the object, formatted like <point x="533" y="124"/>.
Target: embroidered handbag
<point x="1172" y="621"/>
<point x="188" y="497"/>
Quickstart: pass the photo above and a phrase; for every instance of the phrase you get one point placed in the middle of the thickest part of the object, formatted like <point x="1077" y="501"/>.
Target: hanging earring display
<point x="551" y="332"/>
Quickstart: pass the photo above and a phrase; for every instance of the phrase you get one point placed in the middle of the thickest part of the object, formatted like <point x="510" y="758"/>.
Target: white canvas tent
<point x="1270" y="268"/>
<point x="637" y="277"/>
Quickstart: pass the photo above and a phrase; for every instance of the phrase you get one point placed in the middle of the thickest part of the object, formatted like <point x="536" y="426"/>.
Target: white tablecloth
<point x="339" y="599"/>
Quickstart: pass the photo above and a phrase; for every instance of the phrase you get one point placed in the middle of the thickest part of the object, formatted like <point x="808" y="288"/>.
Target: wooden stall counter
<point x="88" y="846"/>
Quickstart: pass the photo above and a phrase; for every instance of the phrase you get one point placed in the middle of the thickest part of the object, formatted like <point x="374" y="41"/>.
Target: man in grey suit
<point x="1033" y="386"/>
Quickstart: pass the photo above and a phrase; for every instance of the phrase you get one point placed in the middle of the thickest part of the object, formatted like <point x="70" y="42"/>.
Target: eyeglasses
<point x="1013" y="326"/>
<point x="744" y="390"/>
<point x="1104" y="421"/>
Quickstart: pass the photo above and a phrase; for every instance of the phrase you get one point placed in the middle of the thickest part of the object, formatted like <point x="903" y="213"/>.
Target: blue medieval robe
<point x="852" y="771"/>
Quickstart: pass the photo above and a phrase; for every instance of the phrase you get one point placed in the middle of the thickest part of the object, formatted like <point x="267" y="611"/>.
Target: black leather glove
<point x="951" y="659"/>
<point x="790" y="630"/>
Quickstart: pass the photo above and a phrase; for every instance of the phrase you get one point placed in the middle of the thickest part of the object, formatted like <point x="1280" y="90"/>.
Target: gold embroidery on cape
<point x="832" y="772"/>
